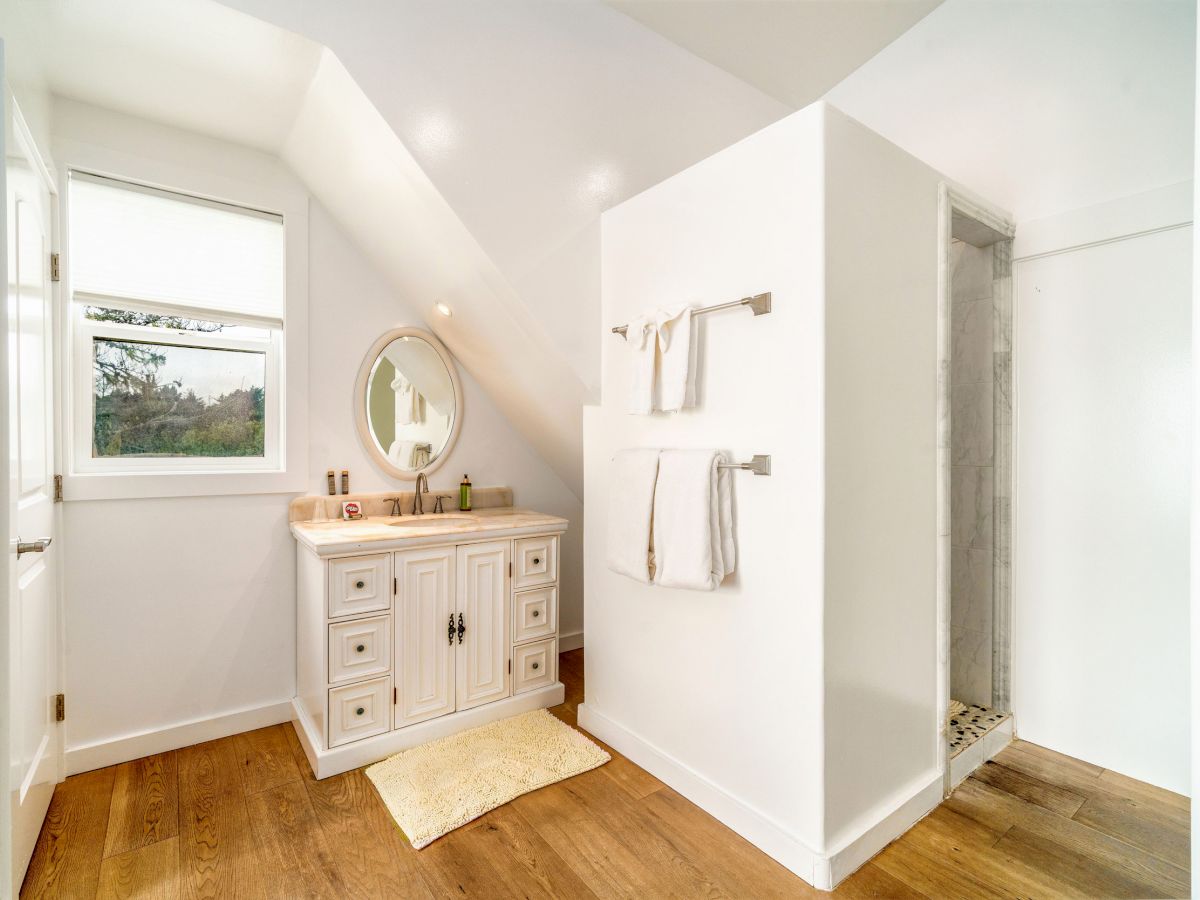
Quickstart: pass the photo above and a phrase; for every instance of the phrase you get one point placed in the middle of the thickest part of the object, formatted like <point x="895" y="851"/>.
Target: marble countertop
<point x="334" y="537"/>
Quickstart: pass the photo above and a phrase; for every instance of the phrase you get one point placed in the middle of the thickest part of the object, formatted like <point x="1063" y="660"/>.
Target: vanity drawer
<point x="535" y="562"/>
<point x="358" y="711"/>
<point x="534" y="613"/>
<point x="359" y="648"/>
<point x="534" y="666"/>
<point x="359" y="584"/>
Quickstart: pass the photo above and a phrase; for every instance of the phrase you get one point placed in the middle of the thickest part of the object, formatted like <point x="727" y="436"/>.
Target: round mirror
<point x="408" y="402"/>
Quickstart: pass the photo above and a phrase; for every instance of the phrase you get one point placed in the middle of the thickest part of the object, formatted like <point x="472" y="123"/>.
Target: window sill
<point x="147" y="485"/>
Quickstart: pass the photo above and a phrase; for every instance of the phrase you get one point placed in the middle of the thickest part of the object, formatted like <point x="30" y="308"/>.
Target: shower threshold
<point x="975" y="734"/>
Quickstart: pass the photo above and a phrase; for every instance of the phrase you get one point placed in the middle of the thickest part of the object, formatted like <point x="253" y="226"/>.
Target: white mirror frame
<point x="360" y="403"/>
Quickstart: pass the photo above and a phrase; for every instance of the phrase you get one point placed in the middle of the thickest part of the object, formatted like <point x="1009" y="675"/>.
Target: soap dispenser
<point x="464" y="494"/>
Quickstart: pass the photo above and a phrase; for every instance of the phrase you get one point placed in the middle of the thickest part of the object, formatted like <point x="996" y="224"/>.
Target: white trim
<point x="572" y="640"/>
<point x="111" y="751"/>
<point x="756" y="827"/>
<point x="916" y="802"/>
<point x="360" y="753"/>
<point x="177" y="173"/>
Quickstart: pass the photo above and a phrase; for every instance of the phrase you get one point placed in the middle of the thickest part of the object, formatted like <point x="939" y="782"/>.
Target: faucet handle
<point x="395" y="501"/>
<point x="437" y="503"/>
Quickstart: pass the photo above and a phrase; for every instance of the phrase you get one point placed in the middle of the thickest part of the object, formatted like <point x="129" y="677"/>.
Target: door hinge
<point x="54" y="276"/>
<point x="395" y="695"/>
<point x="58" y="489"/>
<point x="510" y="570"/>
<point x="510" y="667"/>
<point x="60" y="707"/>
<point x="395" y="586"/>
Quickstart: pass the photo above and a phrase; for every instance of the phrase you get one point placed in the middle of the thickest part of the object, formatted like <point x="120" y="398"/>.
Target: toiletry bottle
<point x="345" y="481"/>
<point x="464" y="494"/>
<point x="332" y="485"/>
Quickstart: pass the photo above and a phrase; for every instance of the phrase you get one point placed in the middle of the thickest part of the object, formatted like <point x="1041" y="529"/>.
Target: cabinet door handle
<point x="536" y="666"/>
<point x="360" y="584"/>
<point x="450" y="631"/>
<point x="360" y="648"/>
<point x="359" y="711"/>
<point x="536" y="613"/>
<point x="462" y="629"/>
<point x="536" y="561"/>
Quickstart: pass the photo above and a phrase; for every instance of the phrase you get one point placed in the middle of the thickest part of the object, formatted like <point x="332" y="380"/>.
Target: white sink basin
<point x="434" y="521"/>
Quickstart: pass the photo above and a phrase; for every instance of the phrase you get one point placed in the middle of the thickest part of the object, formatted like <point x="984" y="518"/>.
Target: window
<point x="177" y="308"/>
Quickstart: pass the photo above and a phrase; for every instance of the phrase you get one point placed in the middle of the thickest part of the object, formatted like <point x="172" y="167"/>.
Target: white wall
<point x="183" y="609"/>
<point x="881" y="327"/>
<point x="1100" y="553"/>
<point x="797" y="702"/>
<point x="725" y="685"/>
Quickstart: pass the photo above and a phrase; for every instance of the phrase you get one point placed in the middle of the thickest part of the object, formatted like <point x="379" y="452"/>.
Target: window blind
<point x="150" y="245"/>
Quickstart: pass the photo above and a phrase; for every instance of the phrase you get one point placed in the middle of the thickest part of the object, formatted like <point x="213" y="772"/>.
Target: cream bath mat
<point x="434" y="788"/>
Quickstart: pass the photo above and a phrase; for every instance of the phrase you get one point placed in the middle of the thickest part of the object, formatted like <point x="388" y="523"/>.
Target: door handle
<point x="450" y="631"/>
<point x="38" y="546"/>
<point x="462" y="628"/>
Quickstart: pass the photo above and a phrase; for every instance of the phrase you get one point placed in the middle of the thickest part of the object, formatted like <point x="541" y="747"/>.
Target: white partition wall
<point x="763" y="701"/>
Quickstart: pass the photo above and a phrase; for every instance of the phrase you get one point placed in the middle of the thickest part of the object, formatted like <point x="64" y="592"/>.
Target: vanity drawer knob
<point x="536" y="666"/>
<point x="360" y="584"/>
<point x="359" y="711"/>
<point x="360" y="648"/>
<point x="536" y="613"/>
<point x="537" y="561"/>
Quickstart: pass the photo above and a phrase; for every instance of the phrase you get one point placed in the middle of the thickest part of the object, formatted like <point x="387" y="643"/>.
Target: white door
<point x="426" y="633"/>
<point x="483" y="642"/>
<point x="33" y="676"/>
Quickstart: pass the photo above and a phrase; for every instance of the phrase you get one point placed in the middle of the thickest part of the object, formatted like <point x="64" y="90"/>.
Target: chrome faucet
<point x="421" y="488"/>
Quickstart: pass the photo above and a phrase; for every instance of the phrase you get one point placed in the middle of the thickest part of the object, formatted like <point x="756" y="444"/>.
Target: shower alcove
<point x="975" y="481"/>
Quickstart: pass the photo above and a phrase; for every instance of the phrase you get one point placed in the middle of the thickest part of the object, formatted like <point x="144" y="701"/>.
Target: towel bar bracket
<point x="759" y="464"/>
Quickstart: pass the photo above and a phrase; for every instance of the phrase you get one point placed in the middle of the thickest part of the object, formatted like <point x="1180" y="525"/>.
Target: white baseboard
<point x="915" y="802"/>
<point x="571" y="641"/>
<point x="821" y="871"/>
<point x="146" y="743"/>
<point x="751" y="824"/>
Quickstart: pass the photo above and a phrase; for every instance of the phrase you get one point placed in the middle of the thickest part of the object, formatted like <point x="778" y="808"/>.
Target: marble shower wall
<point x="973" y="329"/>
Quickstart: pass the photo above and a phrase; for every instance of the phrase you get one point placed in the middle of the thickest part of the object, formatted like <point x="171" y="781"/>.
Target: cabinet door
<point x="483" y="645"/>
<point x="424" y="657"/>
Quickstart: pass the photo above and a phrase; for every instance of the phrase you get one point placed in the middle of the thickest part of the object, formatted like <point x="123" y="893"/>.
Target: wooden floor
<point x="242" y="817"/>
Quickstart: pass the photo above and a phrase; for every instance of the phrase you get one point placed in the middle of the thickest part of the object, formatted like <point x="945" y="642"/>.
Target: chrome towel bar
<point x="760" y="305"/>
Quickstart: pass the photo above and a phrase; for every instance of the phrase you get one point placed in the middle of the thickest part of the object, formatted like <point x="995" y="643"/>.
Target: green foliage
<point x="135" y="415"/>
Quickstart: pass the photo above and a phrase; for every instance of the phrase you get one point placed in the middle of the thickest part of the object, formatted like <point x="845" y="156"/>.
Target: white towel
<point x="693" y="520"/>
<point x="631" y="502"/>
<point x="676" y="373"/>
<point x="642" y="337"/>
<point x="409" y="403"/>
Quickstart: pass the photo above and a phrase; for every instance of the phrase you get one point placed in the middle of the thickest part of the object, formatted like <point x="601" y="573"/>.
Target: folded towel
<point x="693" y="520"/>
<point x="631" y="502"/>
<point x="677" y="372"/>
<point x="642" y="337"/>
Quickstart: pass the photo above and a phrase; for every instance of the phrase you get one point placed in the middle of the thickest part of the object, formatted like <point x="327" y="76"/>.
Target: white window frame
<point x="257" y="185"/>
<point x="84" y="396"/>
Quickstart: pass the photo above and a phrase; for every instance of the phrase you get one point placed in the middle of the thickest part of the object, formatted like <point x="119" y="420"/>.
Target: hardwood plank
<point x="266" y="758"/>
<point x="872" y="881"/>
<point x="740" y="867"/>
<point x="149" y="872"/>
<point x="292" y="845"/>
<point x="145" y="804"/>
<point x="935" y="877"/>
<point x="1061" y="760"/>
<point x="217" y="852"/>
<point x="1031" y="790"/>
<point x="998" y="809"/>
<point x="1123" y="785"/>
<point x="502" y="842"/>
<point x="374" y="858"/>
<point x="1086" y="875"/>
<point x="66" y="858"/>
<point x="1138" y="824"/>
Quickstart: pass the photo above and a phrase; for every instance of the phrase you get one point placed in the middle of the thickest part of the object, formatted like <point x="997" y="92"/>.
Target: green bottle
<point x="464" y="494"/>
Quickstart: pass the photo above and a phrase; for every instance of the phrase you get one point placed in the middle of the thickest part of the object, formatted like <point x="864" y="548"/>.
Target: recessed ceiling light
<point x="444" y="310"/>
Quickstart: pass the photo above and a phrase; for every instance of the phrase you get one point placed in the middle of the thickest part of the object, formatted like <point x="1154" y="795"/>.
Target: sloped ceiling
<point x="468" y="147"/>
<point x="792" y="50"/>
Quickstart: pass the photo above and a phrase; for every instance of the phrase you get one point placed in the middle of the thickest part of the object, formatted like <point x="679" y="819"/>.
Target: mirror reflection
<point x="410" y="403"/>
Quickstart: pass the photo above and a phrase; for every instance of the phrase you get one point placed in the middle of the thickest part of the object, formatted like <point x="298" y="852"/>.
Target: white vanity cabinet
<point x="399" y="647"/>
